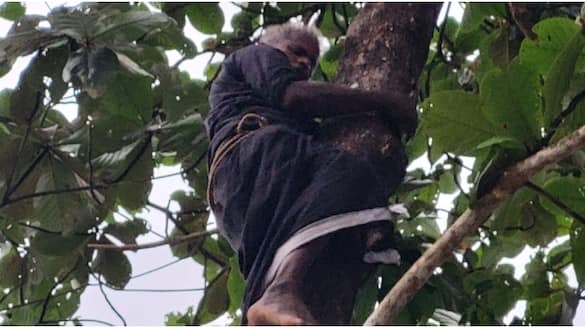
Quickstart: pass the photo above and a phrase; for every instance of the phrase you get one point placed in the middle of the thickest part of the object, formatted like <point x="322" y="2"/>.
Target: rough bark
<point x="385" y="49"/>
<point x="512" y="179"/>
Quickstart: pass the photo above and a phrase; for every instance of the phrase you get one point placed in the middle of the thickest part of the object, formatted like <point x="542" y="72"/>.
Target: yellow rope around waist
<point x="242" y="131"/>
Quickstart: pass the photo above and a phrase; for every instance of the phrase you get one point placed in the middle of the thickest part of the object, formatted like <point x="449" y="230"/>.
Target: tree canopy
<point x="497" y="87"/>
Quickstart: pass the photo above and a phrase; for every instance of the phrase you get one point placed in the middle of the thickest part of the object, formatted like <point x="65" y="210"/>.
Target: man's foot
<point x="279" y="306"/>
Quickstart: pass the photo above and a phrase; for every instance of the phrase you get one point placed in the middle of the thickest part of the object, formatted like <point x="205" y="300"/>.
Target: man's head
<point x="298" y="42"/>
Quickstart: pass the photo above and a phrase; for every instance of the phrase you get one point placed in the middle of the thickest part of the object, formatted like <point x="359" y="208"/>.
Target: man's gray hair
<point x="273" y="34"/>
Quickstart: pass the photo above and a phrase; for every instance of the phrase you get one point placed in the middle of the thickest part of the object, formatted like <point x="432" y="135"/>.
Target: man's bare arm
<point x="325" y="100"/>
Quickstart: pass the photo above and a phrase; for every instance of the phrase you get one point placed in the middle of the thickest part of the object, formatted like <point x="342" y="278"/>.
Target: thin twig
<point x="27" y="172"/>
<point x="90" y="164"/>
<point x="191" y="253"/>
<point x="26" y="225"/>
<point x="442" y="36"/>
<point x="558" y="203"/>
<point x="107" y="299"/>
<point x="19" y="152"/>
<point x="147" y="290"/>
<point x="168" y="241"/>
<point x="562" y="116"/>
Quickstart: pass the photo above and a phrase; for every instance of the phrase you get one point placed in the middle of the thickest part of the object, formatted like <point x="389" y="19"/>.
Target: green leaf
<point x="130" y="97"/>
<point x="235" y="285"/>
<point x="180" y="319"/>
<point x="127" y="231"/>
<point x="578" y="251"/>
<point x="511" y="101"/>
<point x="114" y="266"/>
<point x="330" y="60"/>
<point x="570" y="191"/>
<point x="553" y="36"/>
<point x="184" y="99"/>
<point x="535" y="279"/>
<point x="559" y="76"/>
<point x="242" y="23"/>
<point x="57" y="245"/>
<point x="215" y="301"/>
<point x="545" y="310"/>
<point x="206" y="17"/>
<point x="92" y="70"/>
<point x="366" y="299"/>
<point x="332" y="21"/>
<point x="543" y="225"/>
<point x="65" y="212"/>
<point x="24" y="38"/>
<point x="134" y="190"/>
<point x="5" y="102"/>
<point x="12" y="10"/>
<point x="119" y="157"/>
<point x="10" y="267"/>
<point x="503" y="48"/>
<point x="447" y="184"/>
<point x="475" y="13"/>
<point x="130" y="26"/>
<point x="289" y="8"/>
<point x="211" y="70"/>
<point x="172" y="38"/>
<point x="576" y="119"/>
<point x="559" y="256"/>
<point x="455" y="121"/>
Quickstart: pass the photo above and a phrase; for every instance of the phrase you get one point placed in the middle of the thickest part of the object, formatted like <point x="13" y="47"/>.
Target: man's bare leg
<point x="282" y="302"/>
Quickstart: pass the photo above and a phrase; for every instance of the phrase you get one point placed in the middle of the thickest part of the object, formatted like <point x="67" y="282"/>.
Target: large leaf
<point x="183" y="99"/>
<point x="50" y="244"/>
<point x="23" y="38"/>
<point x="131" y="25"/>
<point x="215" y="301"/>
<point x="570" y="191"/>
<point x="92" y="69"/>
<point x="553" y="36"/>
<point x="74" y="23"/>
<point x="114" y="266"/>
<point x="510" y="100"/>
<point x="332" y="24"/>
<point x="455" y="121"/>
<point x="64" y="212"/>
<point x="576" y="119"/>
<point x="235" y="285"/>
<point x="12" y="10"/>
<point x="559" y="76"/>
<point x="206" y="17"/>
<point x="134" y="189"/>
<point x="366" y="299"/>
<point x="130" y="97"/>
<point x="127" y="231"/>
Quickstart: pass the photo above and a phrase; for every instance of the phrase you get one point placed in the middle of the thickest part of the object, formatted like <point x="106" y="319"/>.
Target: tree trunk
<point x="386" y="48"/>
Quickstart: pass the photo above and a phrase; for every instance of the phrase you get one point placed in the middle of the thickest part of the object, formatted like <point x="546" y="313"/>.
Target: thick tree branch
<point x="168" y="241"/>
<point x="513" y="178"/>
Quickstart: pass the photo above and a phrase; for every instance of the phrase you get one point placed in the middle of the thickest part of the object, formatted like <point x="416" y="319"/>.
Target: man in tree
<point x="279" y="194"/>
